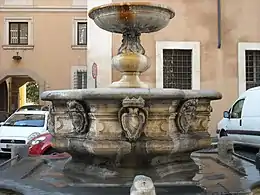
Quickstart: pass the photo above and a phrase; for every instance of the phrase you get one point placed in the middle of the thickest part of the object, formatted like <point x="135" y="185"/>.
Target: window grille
<point x="252" y="68"/>
<point x="177" y="68"/>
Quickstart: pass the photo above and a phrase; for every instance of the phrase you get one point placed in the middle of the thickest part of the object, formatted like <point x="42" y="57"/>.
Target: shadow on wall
<point x="3" y="101"/>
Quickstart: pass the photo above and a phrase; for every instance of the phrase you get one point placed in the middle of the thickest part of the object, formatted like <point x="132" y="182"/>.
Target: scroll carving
<point x="51" y="120"/>
<point x="133" y="117"/>
<point x="78" y="116"/>
<point x="187" y="115"/>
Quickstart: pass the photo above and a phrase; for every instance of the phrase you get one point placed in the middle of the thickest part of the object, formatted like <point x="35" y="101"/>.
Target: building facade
<point x="44" y="41"/>
<point x="208" y="45"/>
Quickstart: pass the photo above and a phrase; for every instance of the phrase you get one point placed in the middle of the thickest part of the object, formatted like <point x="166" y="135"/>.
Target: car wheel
<point x="50" y="151"/>
<point x="223" y="133"/>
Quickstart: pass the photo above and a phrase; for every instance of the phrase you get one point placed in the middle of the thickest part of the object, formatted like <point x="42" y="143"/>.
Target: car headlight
<point x="33" y="135"/>
<point x="37" y="141"/>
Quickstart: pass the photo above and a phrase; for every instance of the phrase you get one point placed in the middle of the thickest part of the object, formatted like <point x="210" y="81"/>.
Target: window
<point x="237" y="109"/>
<point x="18" y="33"/>
<point x="79" y="33"/>
<point x="80" y="79"/>
<point x="82" y="33"/>
<point x="177" y="68"/>
<point x="252" y="68"/>
<point x="178" y="65"/>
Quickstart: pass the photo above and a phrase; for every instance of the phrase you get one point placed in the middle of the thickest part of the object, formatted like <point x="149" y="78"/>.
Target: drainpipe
<point x="219" y="24"/>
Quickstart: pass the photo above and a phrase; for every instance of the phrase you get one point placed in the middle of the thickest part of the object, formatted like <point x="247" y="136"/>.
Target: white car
<point x="21" y="127"/>
<point x="242" y="121"/>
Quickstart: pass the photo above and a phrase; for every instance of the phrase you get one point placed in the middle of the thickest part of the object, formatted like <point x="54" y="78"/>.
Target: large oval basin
<point x="136" y="17"/>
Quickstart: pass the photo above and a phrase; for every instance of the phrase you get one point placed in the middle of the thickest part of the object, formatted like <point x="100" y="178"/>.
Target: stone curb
<point x="25" y="189"/>
<point x="219" y="161"/>
<point x="214" y="139"/>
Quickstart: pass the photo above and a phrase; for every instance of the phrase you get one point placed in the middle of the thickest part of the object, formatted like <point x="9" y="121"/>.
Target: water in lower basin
<point x="176" y="190"/>
<point x="9" y="192"/>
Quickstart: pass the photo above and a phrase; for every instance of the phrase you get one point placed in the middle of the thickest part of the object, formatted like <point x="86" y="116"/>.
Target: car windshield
<point x="26" y="120"/>
<point x="31" y="107"/>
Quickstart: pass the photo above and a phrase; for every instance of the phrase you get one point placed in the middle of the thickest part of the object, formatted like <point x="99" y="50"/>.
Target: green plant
<point x="32" y="92"/>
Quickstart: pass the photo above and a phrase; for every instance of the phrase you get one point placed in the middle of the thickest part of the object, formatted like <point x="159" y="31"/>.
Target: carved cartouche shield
<point x="133" y="117"/>
<point x="133" y="122"/>
<point x="77" y="116"/>
<point x="187" y="115"/>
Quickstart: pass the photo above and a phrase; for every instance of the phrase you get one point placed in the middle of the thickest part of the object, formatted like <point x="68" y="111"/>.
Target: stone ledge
<point x="18" y="47"/>
<point x="79" y="47"/>
<point x="25" y="189"/>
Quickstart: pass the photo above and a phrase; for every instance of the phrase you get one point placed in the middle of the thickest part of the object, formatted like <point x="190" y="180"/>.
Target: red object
<point x="43" y="147"/>
<point x="94" y="70"/>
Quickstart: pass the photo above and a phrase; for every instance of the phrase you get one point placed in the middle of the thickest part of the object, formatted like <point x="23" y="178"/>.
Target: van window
<point x="237" y="109"/>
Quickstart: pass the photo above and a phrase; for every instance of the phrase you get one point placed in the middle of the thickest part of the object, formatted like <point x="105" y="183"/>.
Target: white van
<point x="242" y="121"/>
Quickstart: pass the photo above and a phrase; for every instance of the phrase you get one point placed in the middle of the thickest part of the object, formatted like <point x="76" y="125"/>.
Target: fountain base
<point x="101" y="169"/>
<point x="116" y="123"/>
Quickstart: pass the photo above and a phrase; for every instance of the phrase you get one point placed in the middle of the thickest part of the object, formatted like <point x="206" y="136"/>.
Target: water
<point x="9" y="192"/>
<point x="176" y="190"/>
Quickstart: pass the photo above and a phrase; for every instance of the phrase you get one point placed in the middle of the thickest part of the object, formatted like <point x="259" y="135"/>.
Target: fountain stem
<point x="130" y="61"/>
<point x="131" y="43"/>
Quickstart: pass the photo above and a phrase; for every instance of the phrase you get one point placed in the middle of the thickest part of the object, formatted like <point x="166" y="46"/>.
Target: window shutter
<point x="84" y="83"/>
<point x="80" y="79"/>
<point x="75" y="80"/>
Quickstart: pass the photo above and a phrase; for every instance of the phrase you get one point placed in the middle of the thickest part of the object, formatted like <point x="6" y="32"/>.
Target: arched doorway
<point x="15" y="78"/>
<point x="3" y="97"/>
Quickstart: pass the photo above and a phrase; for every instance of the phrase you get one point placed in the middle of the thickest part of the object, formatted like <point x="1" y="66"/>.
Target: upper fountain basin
<point x="138" y="17"/>
<point x="109" y="94"/>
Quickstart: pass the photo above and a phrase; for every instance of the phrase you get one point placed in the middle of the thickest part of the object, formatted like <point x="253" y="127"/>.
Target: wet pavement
<point x="213" y="176"/>
<point x="247" y="152"/>
<point x="41" y="178"/>
<point x="3" y="158"/>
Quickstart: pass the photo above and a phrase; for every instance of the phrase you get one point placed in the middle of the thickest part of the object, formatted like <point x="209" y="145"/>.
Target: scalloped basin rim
<point x="113" y="94"/>
<point x="148" y="4"/>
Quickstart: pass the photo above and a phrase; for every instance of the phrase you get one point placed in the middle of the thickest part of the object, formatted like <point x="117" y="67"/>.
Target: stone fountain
<point x="129" y="128"/>
<point x="116" y="134"/>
